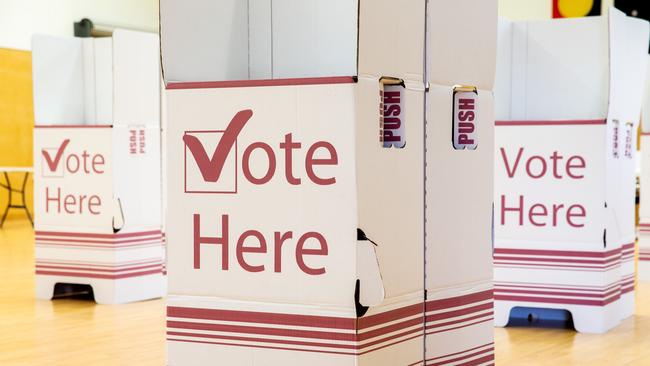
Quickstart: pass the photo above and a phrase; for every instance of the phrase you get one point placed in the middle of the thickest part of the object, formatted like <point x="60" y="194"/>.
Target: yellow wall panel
<point x="16" y="120"/>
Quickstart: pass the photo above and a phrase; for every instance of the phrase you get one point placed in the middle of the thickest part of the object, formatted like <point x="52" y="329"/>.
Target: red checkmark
<point x="53" y="164"/>
<point x="211" y="168"/>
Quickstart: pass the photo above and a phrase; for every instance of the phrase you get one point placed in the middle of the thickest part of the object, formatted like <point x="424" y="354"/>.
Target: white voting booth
<point x="569" y="95"/>
<point x="298" y="235"/>
<point x="97" y="183"/>
<point x="644" y="183"/>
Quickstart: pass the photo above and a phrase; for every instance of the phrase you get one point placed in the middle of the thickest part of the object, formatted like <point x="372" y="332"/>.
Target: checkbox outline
<point x="185" y="148"/>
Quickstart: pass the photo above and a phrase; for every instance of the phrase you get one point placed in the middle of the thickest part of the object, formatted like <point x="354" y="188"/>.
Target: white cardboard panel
<point x="629" y="38"/>
<point x="89" y="89"/>
<point x="136" y="178"/>
<point x="204" y="40"/>
<point x="390" y="190"/>
<point x="260" y="39"/>
<point x="644" y="204"/>
<point x="565" y="60"/>
<point x="314" y="38"/>
<point x="628" y="60"/>
<point x="103" y="81"/>
<point x="384" y="25"/>
<point x="459" y="198"/>
<point x="57" y="69"/>
<point x="274" y="206"/>
<point x="461" y="42"/>
<point x="504" y="70"/>
<point x="71" y="179"/>
<point x="136" y="78"/>
<point x="645" y="109"/>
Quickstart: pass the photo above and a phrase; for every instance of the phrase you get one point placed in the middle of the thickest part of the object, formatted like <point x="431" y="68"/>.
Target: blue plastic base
<point x="539" y="317"/>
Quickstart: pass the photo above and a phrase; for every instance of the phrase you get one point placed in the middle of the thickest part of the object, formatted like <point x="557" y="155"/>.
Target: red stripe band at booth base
<point x="99" y="241"/>
<point x="99" y="270"/>
<point x="627" y="252"/>
<point x="456" y="313"/>
<point x="327" y="334"/>
<point x="644" y="228"/>
<point x="563" y="261"/>
<point x="644" y="254"/>
<point x="477" y="356"/>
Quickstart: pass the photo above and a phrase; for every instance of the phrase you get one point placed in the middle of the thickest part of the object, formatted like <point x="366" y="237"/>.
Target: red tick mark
<point x="211" y="168"/>
<point x="53" y="164"/>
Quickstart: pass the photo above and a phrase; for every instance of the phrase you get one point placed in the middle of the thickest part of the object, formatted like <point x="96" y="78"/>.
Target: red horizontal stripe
<point x="73" y="126"/>
<point x="389" y="329"/>
<point x="260" y="317"/>
<point x="455" y="361"/>
<point x="279" y="332"/>
<point x="627" y="290"/>
<point x="553" y="293"/>
<point x="353" y="347"/>
<point x="264" y="347"/>
<point x="565" y="253"/>
<point x="96" y="269"/>
<point x="389" y="316"/>
<point x="556" y="300"/>
<point x="102" y="266"/>
<point x="581" y="122"/>
<point x="264" y="340"/>
<point x="557" y="260"/>
<point x="459" y="327"/>
<point x="498" y="287"/>
<point x="96" y="275"/>
<point x="452" y="302"/>
<point x="393" y="343"/>
<point x="418" y="333"/>
<point x="459" y="312"/>
<point x="99" y="247"/>
<point x="112" y="242"/>
<point x="458" y="353"/>
<point x="296" y="333"/>
<point x="260" y="83"/>
<point x="614" y="265"/>
<point x="93" y="235"/>
<point x="478" y="361"/>
<point x="459" y="321"/>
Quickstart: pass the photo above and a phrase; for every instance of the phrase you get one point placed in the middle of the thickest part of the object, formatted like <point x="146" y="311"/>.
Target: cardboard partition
<point x="258" y="40"/>
<point x="303" y="207"/>
<point x="644" y="210"/>
<point x="459" y="176"/>
<point x="97" y="184"/>
<point x="644" y="181"/>
<point x="564" y="178"/>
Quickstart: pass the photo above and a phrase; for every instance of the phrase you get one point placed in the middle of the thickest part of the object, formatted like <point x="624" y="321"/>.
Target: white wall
<point x="19" y="19"/>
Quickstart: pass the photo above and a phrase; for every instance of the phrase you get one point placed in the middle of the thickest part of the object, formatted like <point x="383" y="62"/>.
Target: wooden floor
<point x="69" y="332"/>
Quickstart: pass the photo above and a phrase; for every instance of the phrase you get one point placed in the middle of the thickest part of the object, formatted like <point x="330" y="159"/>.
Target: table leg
<point x="9" y="191"/>
<point x="22" y="191"/>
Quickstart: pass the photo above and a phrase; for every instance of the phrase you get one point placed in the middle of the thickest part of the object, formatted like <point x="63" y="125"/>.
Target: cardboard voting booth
<point x="307" y="141"/>
<point x="97" y="184"/>
<point x="644" y="186"/>
<point x="569" y="95"/>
